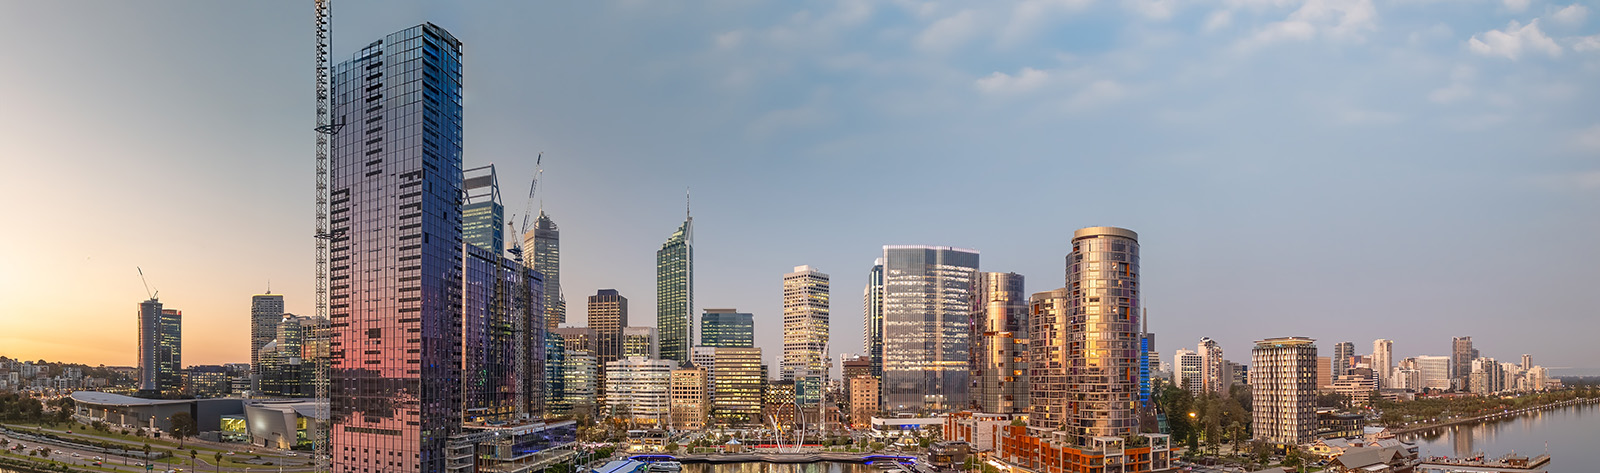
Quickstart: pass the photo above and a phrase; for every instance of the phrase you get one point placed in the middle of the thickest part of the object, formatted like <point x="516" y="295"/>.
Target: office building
<point x="1436" y="372"/>
<point x="864" y="391"/>
<point x="545" y="243"/>
<point x="1383" y="361"/>
<point x="160" y="350"/>
<point x="576" y="338"/>
<point x="1358" y="388"/>
<point x="266" y="310"/>
<point x="927" y="312"/>
<point x="1343" y="352"/>
<point x="872" y="318"/>
<point x="638" y="389"/>
<point x="805" y="334"/>
<point x="289" y="360"/>
<point x="736" y="377"/>
<point x="1283" y="390"/>
<point x="805" y="321"/>
<point x="1000" y="344"/>
<point x="396" y="258"/>
<point x="1461" y="356"/>
<point x="580" y="383"/>
<point x="1211" y="366"/>
<point x="1324" y="372"/>
<point x="207" y="381"/>
<point x="1149" y="362"/>
<point x="608" y="314"/>
<point x="727" y="328"/>
<point x="482" y="213"/>
<point x="675" y="293"/>
<point x="1188" y="371"/>
<point x="690" y="404"/>
<point x="1486" y="376"/>
<point x="640" y="341"/>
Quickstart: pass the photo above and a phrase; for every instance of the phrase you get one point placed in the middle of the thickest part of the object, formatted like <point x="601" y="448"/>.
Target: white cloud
<point x="1586" y="44"/>
<point x="1218" y="20"/>
<point x="1098" y="93"/>
<point x="1589" y="138"/>
<point x="948" y="33"/>
<point x="1153" y="9"/>
<point x="729" y="40"/>
<point x="1334" y="19"/>
<point x="1511" y="42"/>
<point x="1450" y="94"/>
<point x="1572" y="15"/>
<point x="1517" y="6"/>
<point x="1030" y="16"/>
<point x="1001" y="83"/>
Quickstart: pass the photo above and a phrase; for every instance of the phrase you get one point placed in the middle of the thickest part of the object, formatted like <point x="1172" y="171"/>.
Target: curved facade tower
<point x="1102" y="339"/>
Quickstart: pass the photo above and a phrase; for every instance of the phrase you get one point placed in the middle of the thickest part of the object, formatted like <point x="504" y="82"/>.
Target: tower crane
<point x="147" y="285"/>
<point x="527" y="209"/>
<point x="325" y="129"/>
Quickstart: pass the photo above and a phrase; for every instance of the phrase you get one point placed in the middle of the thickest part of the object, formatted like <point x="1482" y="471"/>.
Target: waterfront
<point x="1570" y="433"/>
<point x="759" y="467"/>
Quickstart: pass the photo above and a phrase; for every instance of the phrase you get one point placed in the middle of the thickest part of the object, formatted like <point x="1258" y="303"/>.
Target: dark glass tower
<point x="160" y="350"/>
<point x="395" y="259"/>
<point x="872" y="318"/>
<point x="266" y="310"/>
<point x="727" y="328"/>
<point x="545" y="241"/>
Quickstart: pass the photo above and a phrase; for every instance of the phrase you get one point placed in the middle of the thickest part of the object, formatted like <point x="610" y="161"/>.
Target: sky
<point x="1345" y="170"/>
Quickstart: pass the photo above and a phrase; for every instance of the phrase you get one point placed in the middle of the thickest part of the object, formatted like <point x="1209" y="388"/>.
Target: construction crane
<point x="527" y="210"/>
<point x="325" y="130"/>
<point x="147" y="284"/>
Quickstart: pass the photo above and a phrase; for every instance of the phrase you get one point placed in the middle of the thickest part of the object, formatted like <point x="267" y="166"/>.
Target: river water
<point x="1572" y="435"/>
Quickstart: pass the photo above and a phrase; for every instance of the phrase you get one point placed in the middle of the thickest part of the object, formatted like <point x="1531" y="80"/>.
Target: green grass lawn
<point x="84" y="434"/>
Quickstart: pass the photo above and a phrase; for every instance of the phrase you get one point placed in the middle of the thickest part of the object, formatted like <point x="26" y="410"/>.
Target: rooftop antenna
<point x="146" y="284"/>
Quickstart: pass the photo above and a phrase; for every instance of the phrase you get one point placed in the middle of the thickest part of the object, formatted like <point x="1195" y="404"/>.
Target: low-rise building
<point x="1044" y="450"/>
<point x="979" y="430"/>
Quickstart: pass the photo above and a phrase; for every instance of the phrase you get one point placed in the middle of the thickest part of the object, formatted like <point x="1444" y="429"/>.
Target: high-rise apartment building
<point x="1000" y="344"/>
<point x="727" y="328"/>
<point x="1383" y="361"/>
<point x="502" y="337"/>
<point x="160" y="350"/>
<point x="1212" y="378"/>
<point x="1461" y="356"/>
<point x="1283" y="390"/>
<point x="1048" y="391"/>
<point x="545" y="243"/>
<point x="396" y="257"/>
<point x="675" y="293"/>
<point x="639" y="389"/>
<point x="1486" y="376"/>
<point x="1188" y="371"/>
<point x="690" y="404"/>
<point x="872" y="318"/>
<point x="1343" y="352"/>
<point x="608" y="314"/>
<point x="1102" y="330"/>
<point x="266" y="310"/>
<point x="927" y="312"/>
<point x="640" y="341"/>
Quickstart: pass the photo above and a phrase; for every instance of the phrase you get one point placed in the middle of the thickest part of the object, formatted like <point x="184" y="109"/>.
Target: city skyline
<point x="1525" y="168"/>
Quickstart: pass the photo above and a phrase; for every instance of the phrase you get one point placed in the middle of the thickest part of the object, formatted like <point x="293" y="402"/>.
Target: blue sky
<point x="1339" y="169"/>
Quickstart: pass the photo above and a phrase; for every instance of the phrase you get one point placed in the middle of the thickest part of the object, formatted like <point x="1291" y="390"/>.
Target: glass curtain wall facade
<point x="608" y="314"/>
<point x="502" y="330"/>
<point x="872" y="318"/>
<point x="1000" y="348"/>
<point x="1047" y="360"/>
<point x="395" y="258"/>
<point x="482" y="214"/>
<point x="675" y="293"/>
<point x="160" y="350"/>
<point x="727" y="328"/>
<point x="1102" y="348"/>
<point x="545" y="241"/>
<point x="927" y="311"/>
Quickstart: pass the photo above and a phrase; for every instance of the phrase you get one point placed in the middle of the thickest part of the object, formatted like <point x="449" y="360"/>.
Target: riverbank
<point x="1498" y="415"/>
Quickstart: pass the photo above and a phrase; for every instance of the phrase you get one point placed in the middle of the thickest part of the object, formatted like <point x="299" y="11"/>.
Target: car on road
<point x="75" y="455"/>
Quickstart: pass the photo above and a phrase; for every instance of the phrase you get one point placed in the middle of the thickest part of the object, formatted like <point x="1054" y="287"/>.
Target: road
<point x="63" y="452"/>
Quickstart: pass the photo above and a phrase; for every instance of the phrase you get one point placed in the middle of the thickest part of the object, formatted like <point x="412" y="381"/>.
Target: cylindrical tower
<point x="1103" y="333"/>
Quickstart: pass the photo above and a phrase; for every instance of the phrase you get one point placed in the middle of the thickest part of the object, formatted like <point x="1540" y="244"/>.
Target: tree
<point x="192" y="455"/>
<point x="183" y="425"/>
<point x="671" y="447"/>
<point x="218" y="465"/>
<point x="1291" y="457"/>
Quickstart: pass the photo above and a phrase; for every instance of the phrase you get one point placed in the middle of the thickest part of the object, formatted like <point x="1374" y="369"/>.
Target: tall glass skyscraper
<point x="395" y="259"/>
<point x="545" y="241"/>
<point x="675" y="293"/>
<point x="805" y="322"/>
<point x="872" y="318"/>
<point x="160" y="350"/>
<point x="927" y="311"/>
<point x="266" y="310"/>
<point x="727" y="328"/>
<point x="482" y="213"/>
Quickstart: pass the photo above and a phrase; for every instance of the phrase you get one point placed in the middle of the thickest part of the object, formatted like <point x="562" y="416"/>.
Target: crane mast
<point x="324" y="133"/>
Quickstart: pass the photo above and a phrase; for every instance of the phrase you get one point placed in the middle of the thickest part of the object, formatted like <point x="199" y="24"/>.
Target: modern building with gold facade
<point x="805" y="333"/>
<point x="1000" y="344"/>
<point x="690" y="404"/>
